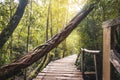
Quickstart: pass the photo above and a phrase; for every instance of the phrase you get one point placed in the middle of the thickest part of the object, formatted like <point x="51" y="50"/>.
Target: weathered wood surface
<point x="62" y="69"/>
<point x="106" y="53"/>
<point x="115" y="60"/>
<point x="111" y="23"/>
<point x="91" y="51"/>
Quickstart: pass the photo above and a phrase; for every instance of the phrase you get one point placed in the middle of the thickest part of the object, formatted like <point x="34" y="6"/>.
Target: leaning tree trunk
<point x="7" y="32"/>
<point x="40" y="51"/>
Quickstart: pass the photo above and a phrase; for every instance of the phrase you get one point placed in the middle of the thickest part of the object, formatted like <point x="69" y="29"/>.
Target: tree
<point x="7" y="32"/>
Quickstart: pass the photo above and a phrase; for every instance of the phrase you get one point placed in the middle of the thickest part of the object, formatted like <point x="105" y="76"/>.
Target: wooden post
<point x="106" y="52"/>
<point x="82" y="62"/>
<point x="108" y="44"/>
<point x="95" y="63"/>
<point x="77" y="59"/>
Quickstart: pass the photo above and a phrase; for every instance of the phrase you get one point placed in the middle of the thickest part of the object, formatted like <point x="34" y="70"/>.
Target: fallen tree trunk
<point x="40" y="51"/>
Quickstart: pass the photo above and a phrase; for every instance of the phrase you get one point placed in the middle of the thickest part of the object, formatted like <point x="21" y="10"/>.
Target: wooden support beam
<point x="77" y="59"/>
<point x="112" y="22"/>
<point x="95" y="63"/>
<point x="106" y="52"/>
<point x="82" y="62"/>
<point x="108" y="44"/>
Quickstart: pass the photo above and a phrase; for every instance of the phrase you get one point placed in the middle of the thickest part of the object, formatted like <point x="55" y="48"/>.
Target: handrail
<point x="88" y="51"/>
<point x="91" y="51"/>
<point x="94" y="52"/>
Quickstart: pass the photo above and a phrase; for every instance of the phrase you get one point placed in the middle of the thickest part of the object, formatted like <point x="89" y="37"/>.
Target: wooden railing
<point x="109" y="43"/>
<point x="92" y="52"/>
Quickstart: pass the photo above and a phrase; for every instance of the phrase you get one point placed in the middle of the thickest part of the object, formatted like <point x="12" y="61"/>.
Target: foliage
<point x="90" y="30"/>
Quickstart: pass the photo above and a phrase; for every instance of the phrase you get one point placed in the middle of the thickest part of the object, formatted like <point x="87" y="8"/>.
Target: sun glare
<point x="16" y="1"/>
<point x="39" y="2"/>
<point x="76" y="5"/>
<point x="2" y="1"/>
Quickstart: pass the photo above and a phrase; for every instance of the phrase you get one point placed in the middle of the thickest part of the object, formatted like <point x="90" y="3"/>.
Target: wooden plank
<point x="62" y="69"/>
<point x="57" y="78"/>
<point x="68" y="72"/>
<point x="71" y="74"/>
<point x="106" y="53"/>
<point x="88" y="73"/>
<point x="58" y="75"/>
<point x="54" y="66"/>
<point x="111" y="23"/>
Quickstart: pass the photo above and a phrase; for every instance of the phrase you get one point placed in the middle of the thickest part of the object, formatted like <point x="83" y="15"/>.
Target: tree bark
<point x="7" y="32"/>
<point x="40" y="51"/>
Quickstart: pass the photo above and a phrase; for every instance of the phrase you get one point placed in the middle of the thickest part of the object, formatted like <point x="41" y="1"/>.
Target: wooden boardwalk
<point x="62" y="69"/>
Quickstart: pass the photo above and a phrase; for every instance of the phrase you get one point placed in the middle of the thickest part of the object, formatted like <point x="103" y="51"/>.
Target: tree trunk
<point x="40" y="51"/>
<point x="7" y="32"/>
<point x="64" y="48"/>
<point x="11" y="41"/>
<point x="51" y="29"/>
<point x="47" y="24"/>
<point x="35" y="72"/>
